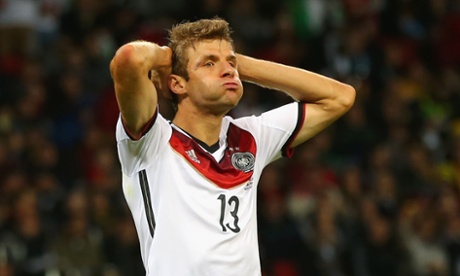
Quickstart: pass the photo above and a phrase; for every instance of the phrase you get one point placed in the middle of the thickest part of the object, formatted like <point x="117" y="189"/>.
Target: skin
<point x="214" y="87"/>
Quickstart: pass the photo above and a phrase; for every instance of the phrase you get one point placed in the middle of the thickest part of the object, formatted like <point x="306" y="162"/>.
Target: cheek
<point x="206" y="85"/>
<point x="203" y="89"/>
<point x="199" y="80"/>
<point x="241" y="84"/>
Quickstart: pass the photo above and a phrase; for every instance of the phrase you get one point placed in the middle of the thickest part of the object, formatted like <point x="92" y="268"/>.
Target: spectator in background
<point x="283" y="249"/>
<point x="26" y="238"/>
<point x="422" y="236"/>
<point x="381" y="252"/>
<point x="78" y="247"/>
<point x="325" y="240"/>
<point x="122" y="247"/>
<point x="18" y="19"/>
<point x="452" y="244"/>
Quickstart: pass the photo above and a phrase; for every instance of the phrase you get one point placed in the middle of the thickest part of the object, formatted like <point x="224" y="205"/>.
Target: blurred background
<point x="377" y="193"/>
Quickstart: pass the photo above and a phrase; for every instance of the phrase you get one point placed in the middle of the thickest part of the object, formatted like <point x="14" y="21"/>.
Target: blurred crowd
<point x="377" y="193"/>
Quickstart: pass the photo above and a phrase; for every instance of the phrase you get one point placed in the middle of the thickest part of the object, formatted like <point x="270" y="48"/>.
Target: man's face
<point x="214" y="84"/>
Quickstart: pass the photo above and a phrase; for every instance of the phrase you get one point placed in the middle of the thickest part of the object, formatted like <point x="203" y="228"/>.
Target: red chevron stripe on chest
<point x="228" y="173"/>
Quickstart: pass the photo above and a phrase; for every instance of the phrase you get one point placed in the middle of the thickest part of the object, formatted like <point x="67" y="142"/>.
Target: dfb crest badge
<point x="243" y="161"/>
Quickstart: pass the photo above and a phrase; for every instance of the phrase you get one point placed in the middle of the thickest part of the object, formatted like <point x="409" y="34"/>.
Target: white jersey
<point x="195" y="211"/>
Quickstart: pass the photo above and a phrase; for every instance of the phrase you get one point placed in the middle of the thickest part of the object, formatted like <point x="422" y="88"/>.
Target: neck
<point x="203" y="127"/>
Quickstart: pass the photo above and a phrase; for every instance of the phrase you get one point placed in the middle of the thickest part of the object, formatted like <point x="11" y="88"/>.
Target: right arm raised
<point x="137" y="95"/>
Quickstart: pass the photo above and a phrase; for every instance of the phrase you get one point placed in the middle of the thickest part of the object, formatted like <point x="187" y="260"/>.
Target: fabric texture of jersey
<point x="195" y="211"/>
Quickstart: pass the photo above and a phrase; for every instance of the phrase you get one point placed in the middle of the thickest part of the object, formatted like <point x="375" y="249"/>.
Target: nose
<point x="228" y="71"/>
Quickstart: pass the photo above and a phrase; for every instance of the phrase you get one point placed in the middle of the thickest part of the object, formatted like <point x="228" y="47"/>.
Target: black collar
<point x="210" y="148"/>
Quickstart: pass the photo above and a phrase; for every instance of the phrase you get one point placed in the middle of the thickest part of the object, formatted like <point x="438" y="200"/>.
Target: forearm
<point x="136" y="94"/>
<point x="300" y="84"/>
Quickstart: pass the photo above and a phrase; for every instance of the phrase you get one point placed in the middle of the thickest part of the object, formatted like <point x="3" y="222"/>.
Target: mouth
<point x="231" y="85"/>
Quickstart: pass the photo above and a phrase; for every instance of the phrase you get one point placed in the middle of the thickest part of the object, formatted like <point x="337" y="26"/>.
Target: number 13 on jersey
<point x="229" y="207"/>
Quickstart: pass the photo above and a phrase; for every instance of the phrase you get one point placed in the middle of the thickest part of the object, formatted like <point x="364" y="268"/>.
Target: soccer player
<point x="191" y="183"/>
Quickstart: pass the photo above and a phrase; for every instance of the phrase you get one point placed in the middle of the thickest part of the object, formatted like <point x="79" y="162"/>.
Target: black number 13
<point x="233" y="202"/>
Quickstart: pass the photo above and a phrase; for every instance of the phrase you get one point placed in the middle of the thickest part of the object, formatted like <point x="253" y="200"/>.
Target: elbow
<point x="124" y="62"/>
<point x="348" y="96"/>
<point x="342" y="101"/>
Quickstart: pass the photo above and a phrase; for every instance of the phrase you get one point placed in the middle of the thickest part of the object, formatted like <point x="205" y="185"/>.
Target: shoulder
<point x="158" y="126"/>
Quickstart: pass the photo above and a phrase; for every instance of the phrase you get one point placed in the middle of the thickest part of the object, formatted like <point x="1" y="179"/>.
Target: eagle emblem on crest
<point x="243" y="161"/>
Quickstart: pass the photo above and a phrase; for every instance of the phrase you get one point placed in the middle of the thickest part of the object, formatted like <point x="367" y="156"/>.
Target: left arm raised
<point x="326" y="99"/>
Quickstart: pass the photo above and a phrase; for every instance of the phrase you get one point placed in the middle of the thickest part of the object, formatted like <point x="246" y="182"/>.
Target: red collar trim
<point x="235" y="168"/>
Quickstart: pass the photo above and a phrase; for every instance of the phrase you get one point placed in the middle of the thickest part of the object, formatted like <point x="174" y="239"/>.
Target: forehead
<point x="210" y="47"/>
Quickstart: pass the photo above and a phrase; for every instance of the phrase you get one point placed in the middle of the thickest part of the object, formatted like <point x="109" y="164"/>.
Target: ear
<point x="177" y="84"/>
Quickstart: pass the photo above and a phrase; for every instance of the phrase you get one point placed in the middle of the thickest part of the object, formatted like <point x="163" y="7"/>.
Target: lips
<point x="233" y="85"/>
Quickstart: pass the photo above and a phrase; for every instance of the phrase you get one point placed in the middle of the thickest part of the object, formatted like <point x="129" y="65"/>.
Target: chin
<point x="236" y="96"/>
<point x="227" y="107"/>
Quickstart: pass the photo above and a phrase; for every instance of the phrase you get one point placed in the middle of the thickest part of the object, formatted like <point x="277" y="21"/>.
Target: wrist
<point x="246" y="65"/>
<point x="164" y="57"/>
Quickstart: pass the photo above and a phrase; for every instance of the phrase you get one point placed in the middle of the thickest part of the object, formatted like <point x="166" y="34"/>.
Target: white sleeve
<point x="275" y="130"/>
<point x="137" y="154"/>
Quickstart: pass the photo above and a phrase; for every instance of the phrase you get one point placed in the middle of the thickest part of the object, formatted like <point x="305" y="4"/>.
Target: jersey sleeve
<point x="136" y="154"/>
<point x="275" y="130"/>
